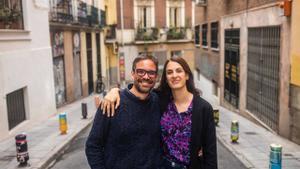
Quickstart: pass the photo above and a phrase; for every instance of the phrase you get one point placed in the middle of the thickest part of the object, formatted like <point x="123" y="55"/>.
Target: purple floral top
<point x="176" y="133"/>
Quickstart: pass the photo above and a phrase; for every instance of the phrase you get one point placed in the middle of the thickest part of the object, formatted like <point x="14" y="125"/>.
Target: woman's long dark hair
<point x="165" y="89"/>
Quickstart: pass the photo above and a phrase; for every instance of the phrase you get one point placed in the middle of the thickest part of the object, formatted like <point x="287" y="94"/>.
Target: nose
<point x="146" y="76"/>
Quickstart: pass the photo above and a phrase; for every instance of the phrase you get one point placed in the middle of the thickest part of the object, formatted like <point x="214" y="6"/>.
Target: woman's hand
<point x="110" y="102"/>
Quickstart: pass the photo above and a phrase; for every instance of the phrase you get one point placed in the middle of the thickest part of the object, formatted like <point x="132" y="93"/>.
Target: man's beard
<point x="138" y="87"/>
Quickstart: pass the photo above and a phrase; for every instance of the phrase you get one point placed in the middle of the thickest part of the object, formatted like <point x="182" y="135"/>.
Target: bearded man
<point x="131" y="138"/>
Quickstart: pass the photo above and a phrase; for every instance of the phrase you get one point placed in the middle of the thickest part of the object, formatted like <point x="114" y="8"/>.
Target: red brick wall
<point x="118" y="14"/>
<point x="188" y="13"/>
<point x="160" y="13"/>
<point x="127" y="14"/>
<point x="217" y="8"/>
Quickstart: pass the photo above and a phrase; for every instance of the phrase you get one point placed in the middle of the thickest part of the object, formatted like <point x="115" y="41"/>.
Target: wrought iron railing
<point x="82" y="13"/>
<point x="146" y="34"/>
<point x="93" y="16"/>
<point x="102" y="18"/>
<point x="61" y="11"/>
<point x="64" y="12"/>
<point x="176" y="33"/>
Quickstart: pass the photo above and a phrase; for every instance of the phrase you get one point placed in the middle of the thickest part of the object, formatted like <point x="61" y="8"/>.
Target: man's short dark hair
<point x="145" y="57"/>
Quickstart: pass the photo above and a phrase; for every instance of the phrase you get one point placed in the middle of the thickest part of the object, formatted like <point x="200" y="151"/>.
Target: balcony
<point x="61" y="12"/>
<point x="102" y="18"/>
<point x="82" y="18"/>
<point x="176" y="33"/>
<point x="76" y="13"/>
<point x="146" y="34"/>
<point x="93" y="16"/>
<point x="111" y="33"/>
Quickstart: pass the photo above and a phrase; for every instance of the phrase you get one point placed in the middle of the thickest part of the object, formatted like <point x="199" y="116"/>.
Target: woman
<point x="187" y="125"/>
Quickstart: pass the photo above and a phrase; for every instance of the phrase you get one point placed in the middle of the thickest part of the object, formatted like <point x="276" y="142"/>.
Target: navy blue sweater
<point x="130" y="139"/>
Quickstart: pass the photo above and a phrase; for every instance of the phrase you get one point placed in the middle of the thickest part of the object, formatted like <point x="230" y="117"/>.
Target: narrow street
<point x="74" y="158"/>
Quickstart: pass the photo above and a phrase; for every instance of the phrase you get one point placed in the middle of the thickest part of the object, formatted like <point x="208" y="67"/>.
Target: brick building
<point x="243" y="50"/>
<point x="160" y="27"/>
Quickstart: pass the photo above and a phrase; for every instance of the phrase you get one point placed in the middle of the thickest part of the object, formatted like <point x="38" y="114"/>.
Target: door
<point x="263" y="74"/>
<point x="232" y="59"/>
<point x="89" y="62"/>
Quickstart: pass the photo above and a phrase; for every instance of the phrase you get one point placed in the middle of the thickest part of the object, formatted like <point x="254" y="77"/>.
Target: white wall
<point x="130" y="52"/>
<point x="206" y="87"/>
<point x="26" y="62"/>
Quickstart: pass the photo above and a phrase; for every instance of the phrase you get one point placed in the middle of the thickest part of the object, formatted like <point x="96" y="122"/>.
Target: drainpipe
<point x="122" y="22"/>
<point x="122" y="35"/>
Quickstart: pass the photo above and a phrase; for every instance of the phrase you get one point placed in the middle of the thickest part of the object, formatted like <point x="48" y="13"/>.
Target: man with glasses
<point x="131" y="138"/>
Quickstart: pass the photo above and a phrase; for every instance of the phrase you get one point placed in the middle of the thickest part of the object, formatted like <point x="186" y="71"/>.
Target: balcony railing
<point x="102" y="18"/>
<point x="93" y="16"/>
<point x="63" y="11"/>
<point x="111" y="32"/>
<point x="82" y="13"/>
<point x="177" y="33"/>
<point x="146" y="34"/>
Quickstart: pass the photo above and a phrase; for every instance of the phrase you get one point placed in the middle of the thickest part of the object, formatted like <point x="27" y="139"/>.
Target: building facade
<point x="78" y="52"/>
<point x="111" y="41"/>
<point x="162" y="28"/>
<point x="295" y="73"/>
<point x="253" y="39"/>
<point x="26" y="74"/>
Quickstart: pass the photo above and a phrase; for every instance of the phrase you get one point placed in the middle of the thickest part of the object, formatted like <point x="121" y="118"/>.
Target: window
<point x="174" y="16"/>
<point x="214" y="35"/>
<point x="176" y="53"/>
<point x="201" y="2"/>
<point x="11" y="15"/>
<point x="197" y="35"/>
<point x="204" y="35"/>
<point x="144" y="16"/>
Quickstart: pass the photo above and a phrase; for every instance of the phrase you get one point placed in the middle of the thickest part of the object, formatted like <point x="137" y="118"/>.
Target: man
<point x="130" y="139"/>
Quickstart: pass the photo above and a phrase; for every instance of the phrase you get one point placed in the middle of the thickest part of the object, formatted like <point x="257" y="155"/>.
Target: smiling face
<point x="176" y="76"/>
<point x="144" y="76"/>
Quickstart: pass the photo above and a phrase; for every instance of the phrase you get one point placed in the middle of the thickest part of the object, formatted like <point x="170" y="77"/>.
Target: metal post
<point x="22" y="149"/>
<point x="63" y="125"/>
<point x="234" y="131"/>
<point x="84" y="110"/>
<point x="275" y="156"/>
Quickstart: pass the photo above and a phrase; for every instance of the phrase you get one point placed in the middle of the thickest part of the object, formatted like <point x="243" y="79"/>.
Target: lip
<point x="145" y="84"/>
<point x="175" y="81"/>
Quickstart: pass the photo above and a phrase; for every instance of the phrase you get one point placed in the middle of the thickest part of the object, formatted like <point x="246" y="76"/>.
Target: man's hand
<point x="110" y="102"/>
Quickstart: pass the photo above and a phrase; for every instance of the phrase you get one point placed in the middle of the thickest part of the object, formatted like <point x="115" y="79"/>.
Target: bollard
<point x="63" y="125"/>
<point x="275" y="156"/>
<point x="84" y="110"/>
<point x="22" y="149"/>
<point x="216" y="116"/>
<point x="234" y="131"/>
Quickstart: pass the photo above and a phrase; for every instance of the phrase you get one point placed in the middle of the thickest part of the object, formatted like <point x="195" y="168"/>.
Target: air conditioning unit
<point x="201" y="2"/>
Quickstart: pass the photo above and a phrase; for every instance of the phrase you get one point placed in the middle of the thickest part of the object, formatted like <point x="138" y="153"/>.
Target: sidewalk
<point x="45" y="142"/>
<point x="253" y="146"/>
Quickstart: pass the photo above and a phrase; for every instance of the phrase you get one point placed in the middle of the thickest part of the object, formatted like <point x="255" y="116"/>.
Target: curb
<point x="238" y="155"/>
<point x="60" y="149"/>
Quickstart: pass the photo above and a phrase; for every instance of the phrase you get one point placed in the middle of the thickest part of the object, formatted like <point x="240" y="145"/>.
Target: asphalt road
<point x="74" y="157"/>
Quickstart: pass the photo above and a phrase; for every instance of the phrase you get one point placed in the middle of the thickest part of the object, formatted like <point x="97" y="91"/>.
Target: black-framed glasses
<point x="142" y="72"/>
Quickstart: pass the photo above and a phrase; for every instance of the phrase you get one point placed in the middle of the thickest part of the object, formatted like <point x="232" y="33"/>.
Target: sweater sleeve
<point x="210" y="150"/>
<point x="94" y="148"/>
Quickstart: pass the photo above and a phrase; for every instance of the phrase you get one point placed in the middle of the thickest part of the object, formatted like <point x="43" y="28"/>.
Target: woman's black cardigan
<point x="203" y="133"/>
